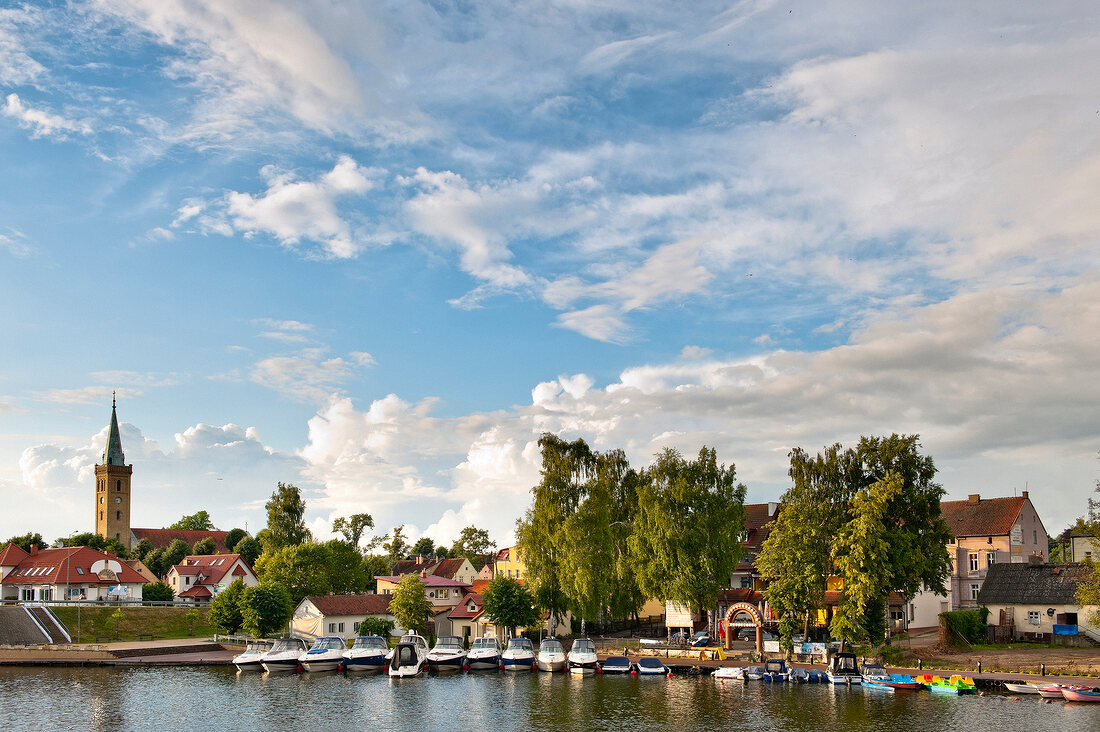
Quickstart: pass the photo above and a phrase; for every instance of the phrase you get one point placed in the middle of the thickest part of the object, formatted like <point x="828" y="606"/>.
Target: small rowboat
<point x="1053" y="691"/>
<point x="1021" y="688"/>
<point x="1080" y="694"/>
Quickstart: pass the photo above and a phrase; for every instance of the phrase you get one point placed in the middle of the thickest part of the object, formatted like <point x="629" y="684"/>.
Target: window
<point x="355" y="626"/>
<point x="100" y="515"/>
<point x="118" y="515"/>
<point x="28" y="594"/>
<point x="118" y="485"/>
<point x="1088" y="555"/>
<point x="1032" y="617"/>
<point x="444" y="594"/>
<point x="101" y="500"/>
<point x="1034" y="536"/>
<point x="332" y="627"/>
<point x="509" y="573"/>
<point x="188" y="580"/>
<point x="80" y="571"/>
<point x="341" y="628"/>
<point x="975" y="588"/>
<point x="973" y="556"/>
<point x="990" y="558"/>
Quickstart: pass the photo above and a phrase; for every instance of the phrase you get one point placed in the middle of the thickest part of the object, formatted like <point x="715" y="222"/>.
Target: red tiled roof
<point x="448" y="567"/>
<point x="197" y="591"/>
<point x="428" y="580"/>
<point x="462" y="609"/>
<point x="407" y="566"/>
<point x="479" y="585"/>
<point x="163" y="537"/>
<point x="213" y="567"/>
<point x="985" y="517"/>
<point x="58" y="566"/>
<point x="757" y="525"/>
<point x="365" y="604"/>
<point x="12" y="555"/>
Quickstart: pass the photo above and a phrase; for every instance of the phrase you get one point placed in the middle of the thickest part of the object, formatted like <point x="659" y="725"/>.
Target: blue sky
<point x="377" y="248"/>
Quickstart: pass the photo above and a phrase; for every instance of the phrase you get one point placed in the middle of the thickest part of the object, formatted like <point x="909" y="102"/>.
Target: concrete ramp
<point x="51" y="624"/>
<point x="18" y="627"/>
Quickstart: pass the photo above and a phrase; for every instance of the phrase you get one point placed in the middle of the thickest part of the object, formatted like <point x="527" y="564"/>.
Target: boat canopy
<point x="370" y="641"/>
<point x="617" y="662"/>
<point x="257" y="646"/>
<point x="584" y="645"/>
<point x="486" y="643"/>
<point x="775" y="665"/>
<point x="519" y="644"/>
<point x="328" y="643"/>
<point x="551" y="645"/>
<point x="288" y="644"/>
<point x="450" y="642"/>
<point x="845" y="662"/>
<point x="650" y="662"/>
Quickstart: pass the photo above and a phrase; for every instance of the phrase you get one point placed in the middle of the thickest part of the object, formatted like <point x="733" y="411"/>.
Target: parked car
<point x="701" y="639"/>
<point x="749" y="634"/>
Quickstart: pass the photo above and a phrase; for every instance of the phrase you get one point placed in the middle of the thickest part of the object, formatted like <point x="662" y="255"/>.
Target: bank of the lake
<point x="148" y="698"/>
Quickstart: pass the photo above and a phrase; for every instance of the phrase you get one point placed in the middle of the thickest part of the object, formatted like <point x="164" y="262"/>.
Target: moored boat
<point x="250" y="659"/>
<point x="798" y="675"/>
<point x="582" y="657"/>
<point x="283" y="656"/>
<point x="956" y="684"/>
<point x="616" y="665"/>
<point x="447" y="655"/>
<point x="484" y="655"/>
<point x="409" y="657"/>
<point x="843" y="669"/>
<point x="1051" y="691"/>
<point x="754" y="673"/>
<point x="775" y="670"/>
<point x="1081" y="694"/>
<point x="551" y="656"/>
<point x="326" y="654"/>
<point x="729" y="673"/>
<point x="518" y="656"/>
<point x="366" y="655"/>
<point x="649" y="666"/>
<point x="1017" y="688"/>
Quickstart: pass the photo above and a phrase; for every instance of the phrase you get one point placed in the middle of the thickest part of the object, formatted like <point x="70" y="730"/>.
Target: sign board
<point x="677" y="616"/>
<point x="1016" y="537"/>
<point x="771" y="646"/>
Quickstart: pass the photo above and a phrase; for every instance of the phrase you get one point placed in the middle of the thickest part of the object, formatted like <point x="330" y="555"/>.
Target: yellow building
<point x="509" y="563"/>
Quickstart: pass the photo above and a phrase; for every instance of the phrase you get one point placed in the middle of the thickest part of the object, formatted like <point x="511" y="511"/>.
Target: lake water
<point x="218" y="698"/>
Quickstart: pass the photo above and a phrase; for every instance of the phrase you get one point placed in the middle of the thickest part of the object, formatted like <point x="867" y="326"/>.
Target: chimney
<point x="34" y="549"/>
<point x="1023" y="494"/>
<point x="974" y="498"/>
<point x="1035" y="560"/>
<point x="423" y="574"/>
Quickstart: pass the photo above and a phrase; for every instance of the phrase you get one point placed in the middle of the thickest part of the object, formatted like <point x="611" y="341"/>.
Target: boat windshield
<point x="287" y="644"/>
<point x="370" y="642"/>
<point x="486" y="644"/>
<point x="449" y="643"/>
<point x="519" y="644"/>
<point x="775" y="665"/>
<point x="257" y="647"/>
<point x="327" y="644"/>
<point x="583" y="645"/>
<point x="551" y="645"/>
<point x="844" y="663"/>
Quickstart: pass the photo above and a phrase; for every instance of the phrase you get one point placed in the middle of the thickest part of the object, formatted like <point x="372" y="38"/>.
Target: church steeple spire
<point x="112" y="454"/>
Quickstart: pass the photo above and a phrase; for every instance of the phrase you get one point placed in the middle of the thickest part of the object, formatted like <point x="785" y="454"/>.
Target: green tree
<point x="265" y="609"/>
<point x="301" y="569"/>
<point x="346" y="571"/>
<point x="157" y="592"/>
<point x="175" y="553"/>
<point x="141" y="549"/>
<point x="204" y="547"/>
<point x="566" y="466"/>
<point x="249" y="549"/>
<point x="376" y="626"/>
<point x="375" y="565"/>
<point x="474" y="544"/>
<point x="687" y="533"/>
<point x="509" y="603"/>
<point x="352" y="527"/>
<point x="195" y="522"/>
<point x="232" y="537"/>
<point x="88" y="539"/>
<point x="286" y="525"/>
<point x="192" y="615"/>
<point x="1088" y="591"/>
<point x="425" y="547"/>
<point x="154" y="560"/>
<point x="117" y="617"/>
<point x="409" y="606"/>
<point x="24" y="542"/>
<point x="397" y="547"/>
<point x="225" y="609"/>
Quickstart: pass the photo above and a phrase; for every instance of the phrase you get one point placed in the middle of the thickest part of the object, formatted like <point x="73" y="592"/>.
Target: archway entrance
<point x="744" y="615"/>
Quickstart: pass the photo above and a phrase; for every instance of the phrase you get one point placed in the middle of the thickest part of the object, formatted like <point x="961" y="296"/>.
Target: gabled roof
<point x="982" y="516"/>
<point x="72" y="565"/>
<point x="479" y="585"/>
<point x="462" y="610"/>
<point x="429" y="580"/>
<point x="12" y="555"/>
<point x="161" y="538"/>
<point x="1032" y="584"/>
<point x="365" y="604"/>
<point x="197" y="591"/>
<point x="214" y="568"/>
<point x="408" y="566"/>
<point x="448" y="567"/>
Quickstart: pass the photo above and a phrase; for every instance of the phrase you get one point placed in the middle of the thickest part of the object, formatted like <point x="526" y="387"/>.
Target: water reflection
<point x="219" y="698"/>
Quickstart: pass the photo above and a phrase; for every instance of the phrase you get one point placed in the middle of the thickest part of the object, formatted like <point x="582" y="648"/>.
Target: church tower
<point x="112" y="488"/>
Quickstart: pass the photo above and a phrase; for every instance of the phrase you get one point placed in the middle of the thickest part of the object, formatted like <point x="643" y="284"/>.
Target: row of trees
<point x="600" y="536"/>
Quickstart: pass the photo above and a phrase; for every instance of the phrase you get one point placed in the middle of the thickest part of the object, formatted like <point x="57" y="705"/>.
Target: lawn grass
<point x="160" y="622"/>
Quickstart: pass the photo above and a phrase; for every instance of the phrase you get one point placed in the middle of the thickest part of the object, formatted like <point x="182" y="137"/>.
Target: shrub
<point x="966" y="624"/>
<point x="157" y="592"/>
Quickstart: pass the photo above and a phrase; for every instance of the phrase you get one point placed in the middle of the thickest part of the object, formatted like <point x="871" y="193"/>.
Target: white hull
<point x="318" y="665"/>
<point x="843" y="679"/>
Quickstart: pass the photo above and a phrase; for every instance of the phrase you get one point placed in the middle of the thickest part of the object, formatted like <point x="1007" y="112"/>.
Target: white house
<point x="339" y="615"/>
<point x="200" y="578"/>
<point x="77" y="573"/>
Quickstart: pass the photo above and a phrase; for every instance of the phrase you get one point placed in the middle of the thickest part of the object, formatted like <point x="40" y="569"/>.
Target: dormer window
<point x="80" y="571"/>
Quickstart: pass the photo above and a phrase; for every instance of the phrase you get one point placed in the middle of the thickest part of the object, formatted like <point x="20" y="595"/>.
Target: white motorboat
<point x="326" y="654"/>
<point x="250" y="659"/>
<point x="551" y="655"/>
<point x="448" y="654"/>
<point x="843" y="669"/>
<point x="518" y="656"/>
<point x="366" y="655"/>
<point x="582" y="657"/>
<point x="650" y="666"/>
<point x="409" y="657"/>
<point x="753" y="673"/>
<point x="283" y="656"/>
<point x="729" y="673"/>
<point x="484" y="655"/>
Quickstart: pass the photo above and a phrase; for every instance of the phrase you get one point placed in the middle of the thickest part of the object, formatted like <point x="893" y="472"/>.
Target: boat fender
<point x="599" y="671"/>
<point x="466" y="667"/>
<point x="633" y="673"/>
<point x="670" y="673"/>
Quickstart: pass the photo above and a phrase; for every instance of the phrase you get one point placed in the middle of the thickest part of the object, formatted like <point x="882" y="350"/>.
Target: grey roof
<point x="1032" y="584"/>
<point x="112" y="453"/>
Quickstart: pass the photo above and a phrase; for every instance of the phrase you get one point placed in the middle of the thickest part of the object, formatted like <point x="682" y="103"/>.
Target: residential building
<point x="758" y="520"/>
<point x="1082" y="547"/>
<point x="201" y="578"/>
<point x="509" y="563"/>
<point x="439" y="590"/>
<point x="75" y="573"/>
<point x="468" y="619"/>
<point x="1027" y="600"/>
<point x="458" y="569"/>
<point x="339" y="615"/>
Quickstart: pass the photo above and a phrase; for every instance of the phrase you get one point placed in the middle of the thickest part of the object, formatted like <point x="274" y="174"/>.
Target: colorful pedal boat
<point x="956" y="685"/>
<point x="897" y="682"/>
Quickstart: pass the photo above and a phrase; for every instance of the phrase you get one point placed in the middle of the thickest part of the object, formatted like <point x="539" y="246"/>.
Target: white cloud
<point x="363" y="358"/>
<point x="693" y="352"/>
<point x="15" y="243"/>
<point x="17" y="67"/>
<point x="42" y="123"/>
<point x="302" y="378"/>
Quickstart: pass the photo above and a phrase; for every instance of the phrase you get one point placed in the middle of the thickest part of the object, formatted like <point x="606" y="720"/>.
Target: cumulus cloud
<point x="42" y="123"/>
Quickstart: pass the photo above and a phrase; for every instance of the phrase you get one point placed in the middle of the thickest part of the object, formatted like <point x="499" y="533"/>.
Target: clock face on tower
<point x="118" y="500"/>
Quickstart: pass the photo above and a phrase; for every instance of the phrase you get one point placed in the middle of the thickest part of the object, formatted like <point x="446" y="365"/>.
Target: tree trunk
<point x="582" y="627"/>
